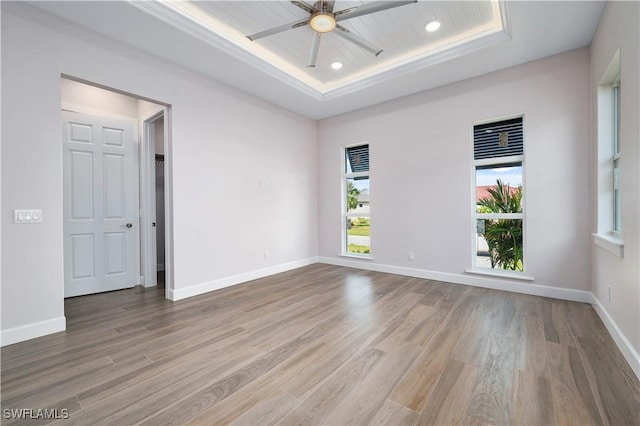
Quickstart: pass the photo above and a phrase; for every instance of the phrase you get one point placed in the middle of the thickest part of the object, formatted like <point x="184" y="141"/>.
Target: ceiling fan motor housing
<point x="322" y="21"/>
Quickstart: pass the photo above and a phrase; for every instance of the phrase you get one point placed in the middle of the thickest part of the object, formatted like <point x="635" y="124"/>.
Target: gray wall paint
<point x="218" y="162"/>
<point x="421" y="170"/>
<point x="619" y="29"/>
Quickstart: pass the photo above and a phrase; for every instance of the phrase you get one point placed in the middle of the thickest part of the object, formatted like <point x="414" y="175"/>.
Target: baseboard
<point x="42" y="328"/>
<point x="194" y="290"/>
<point x="628" y="351"/>
<point x="31" y="331"/>
<point x="496" y="283"/>
<point x="160" y="267"/>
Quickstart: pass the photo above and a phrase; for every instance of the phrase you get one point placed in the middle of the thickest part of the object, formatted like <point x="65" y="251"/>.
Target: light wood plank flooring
<point x="325" y="345"/>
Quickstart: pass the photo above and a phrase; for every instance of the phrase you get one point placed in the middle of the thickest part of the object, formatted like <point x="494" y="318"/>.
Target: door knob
<point x="128" y="225"/>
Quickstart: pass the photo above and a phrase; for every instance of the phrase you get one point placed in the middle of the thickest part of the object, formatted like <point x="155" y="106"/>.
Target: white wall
<point x="421" y="174"/>
<point x="619" y="29"/>
<point x="94" y="100"/>
<point x="223" y="142"/>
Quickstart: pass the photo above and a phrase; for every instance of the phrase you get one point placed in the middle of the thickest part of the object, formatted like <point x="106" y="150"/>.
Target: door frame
<point x="168" y="175"/>
<point x="147" y="200"/>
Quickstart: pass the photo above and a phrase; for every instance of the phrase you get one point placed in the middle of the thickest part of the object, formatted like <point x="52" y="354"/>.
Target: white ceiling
<point x="400" y="32"/>
<point x="475" y="37"/>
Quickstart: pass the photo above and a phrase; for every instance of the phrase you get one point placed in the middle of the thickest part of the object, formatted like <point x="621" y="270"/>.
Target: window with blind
<point x="498" y="158"/>
<point x="355" y="202"/>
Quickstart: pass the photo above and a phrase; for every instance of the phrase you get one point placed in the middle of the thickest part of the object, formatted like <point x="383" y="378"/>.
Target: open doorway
<point x="159" y="191"/>
<point x="153" y="171"/>
<point x="143" y="231"/>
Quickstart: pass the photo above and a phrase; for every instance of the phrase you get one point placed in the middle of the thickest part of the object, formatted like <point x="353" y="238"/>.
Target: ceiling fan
<point x="322" y="19"/>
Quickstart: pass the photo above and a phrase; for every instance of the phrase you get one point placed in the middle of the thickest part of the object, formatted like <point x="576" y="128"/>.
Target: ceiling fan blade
<point x="368" y="8"/>
<point x="330" y="5"/>
<point x="315" y="46"/>
<point x="279" y="29"/>
<point x="356" y="39"/>
<point x="304" y="6"/>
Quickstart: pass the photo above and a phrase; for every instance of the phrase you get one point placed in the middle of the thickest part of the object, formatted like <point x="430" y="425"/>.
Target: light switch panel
<point x="27" y="216"/>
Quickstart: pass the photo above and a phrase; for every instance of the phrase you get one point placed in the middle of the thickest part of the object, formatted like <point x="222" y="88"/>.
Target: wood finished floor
<point x="325" y="345"/>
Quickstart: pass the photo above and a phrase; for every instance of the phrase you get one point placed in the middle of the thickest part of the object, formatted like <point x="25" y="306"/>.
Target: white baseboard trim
<point x="629" y="353"/>
<point x="194" y="290"/>
<point x="42" y="328"/>
<point x="497" y="283"/>
<point x="160" y="267"/>
<point x="493" y="282"/>
<point x="31" y="331"/>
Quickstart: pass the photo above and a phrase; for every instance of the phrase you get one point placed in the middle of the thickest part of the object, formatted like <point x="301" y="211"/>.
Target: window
<point x="498" y="156"/>
<point x="615" y="160"/>
<point x="357" y="221"/>
<point x="609" y="161"/>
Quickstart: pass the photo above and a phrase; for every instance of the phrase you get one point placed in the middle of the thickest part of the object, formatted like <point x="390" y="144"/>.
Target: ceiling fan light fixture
<point x="432" y="26"/>
<point x="322" y="22"/>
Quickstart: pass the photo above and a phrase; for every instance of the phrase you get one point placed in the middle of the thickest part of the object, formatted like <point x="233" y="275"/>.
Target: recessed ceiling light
<point x="432" y="26"/>
<point x="336" y="65"/>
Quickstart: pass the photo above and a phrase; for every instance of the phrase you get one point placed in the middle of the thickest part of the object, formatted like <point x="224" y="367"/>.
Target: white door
<point x="100" y="204"/>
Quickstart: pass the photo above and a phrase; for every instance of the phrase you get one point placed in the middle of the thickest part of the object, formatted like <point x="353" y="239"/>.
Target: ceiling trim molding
<point x="439" y="55"/>
<point x="181" y="19"/>
<point x="398" y="70"/>
<point x="191" y="27"/>
<point x="506" y="19"/>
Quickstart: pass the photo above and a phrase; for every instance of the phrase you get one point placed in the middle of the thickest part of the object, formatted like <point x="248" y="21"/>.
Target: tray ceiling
<point x="400" y="32"/>
<point x="209" y="37"/>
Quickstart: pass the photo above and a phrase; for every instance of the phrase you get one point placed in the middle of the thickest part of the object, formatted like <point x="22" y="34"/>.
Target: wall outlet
<point x="266" y="254"/>
<point x="609" y="293"/>
<point x="411" y="256"/>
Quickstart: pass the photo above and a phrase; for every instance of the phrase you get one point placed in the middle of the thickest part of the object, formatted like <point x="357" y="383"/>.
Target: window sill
<point x="610" y="243"/>
<point x="500" y="274"/>
<point x="356" y="256"/>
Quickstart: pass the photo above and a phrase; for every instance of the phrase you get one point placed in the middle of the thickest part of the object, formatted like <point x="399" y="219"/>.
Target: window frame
<point x="475" y="216"/>
<point x="616" y="225"/>
<point x="609" y="227"/>
<point x="345" y="176"/>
